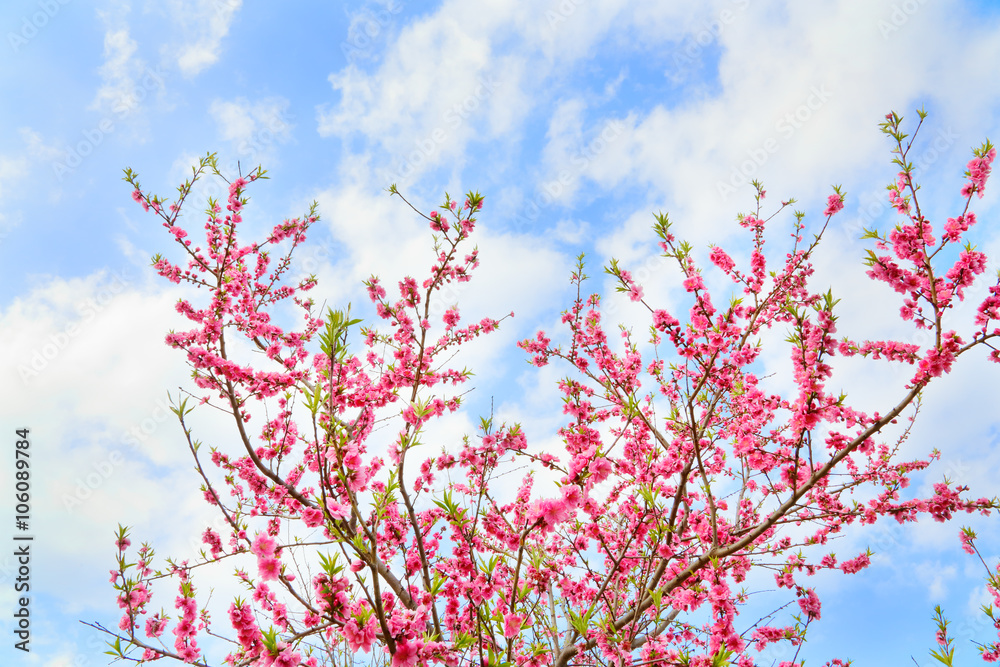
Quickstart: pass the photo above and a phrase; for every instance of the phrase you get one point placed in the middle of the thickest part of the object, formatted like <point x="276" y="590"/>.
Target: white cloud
<point x="440" y="86"/>
<point x="516" y="272"/>
<point x="127" y="81"/>
<point x="427" y="100"/>
<point x="37" y="147"/>
<point x="16" y="172"/>
<point x="564" y="135"/>
<point x="12" y="171"/>
<point x="571" y="232"/>
<point x="119" y="68"/>
<point x="935" y="575"/>
<point x="204" y="25"/>
<point x="797" y="110"/>
<point x="253" y="128"/>
<point x="81" y="343"/>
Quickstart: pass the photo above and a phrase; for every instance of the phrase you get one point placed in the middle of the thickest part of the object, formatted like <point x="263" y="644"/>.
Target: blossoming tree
<point x="681" y="475"/>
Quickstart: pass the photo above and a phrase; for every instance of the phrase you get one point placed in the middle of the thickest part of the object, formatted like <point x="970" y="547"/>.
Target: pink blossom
<point x="211" y="538"/>
<point x="338" y="510"/>
<point x="694" y="282"/>
<point x="662" y="320"/>
<point x="269" y="568"/>
<point x="978" y="171"/>
<point x="312" y="517"/>
<point x="856" y="564"/>
<point x="407" y="651"/>
<point x="809" y="603"/>
<point x="155" y="625"/>
<point x="263" y="545"/>
<point x="834" y="203"/>
<point x="967" y="536"/>
<point x="238" y="184"/>
<point x="359" y="637"/>
<point x="721" y="259"/>
<point x="551" y="511"/>
<point x="512" y="625"/>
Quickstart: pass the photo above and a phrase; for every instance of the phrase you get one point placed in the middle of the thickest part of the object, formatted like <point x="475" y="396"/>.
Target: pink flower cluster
<point x="429" y="553"/>
<point x="978" y="170"/>
<point x="268" y="563"/>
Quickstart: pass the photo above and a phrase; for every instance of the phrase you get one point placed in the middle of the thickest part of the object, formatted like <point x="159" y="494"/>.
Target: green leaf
<point x="721" y="658"/>
<point x="330" y="565"/>
<point x="117" y="646"/>
<point x="580" y="623"/>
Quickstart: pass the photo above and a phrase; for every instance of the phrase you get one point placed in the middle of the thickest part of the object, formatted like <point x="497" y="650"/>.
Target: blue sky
<point x="576" y="119"/>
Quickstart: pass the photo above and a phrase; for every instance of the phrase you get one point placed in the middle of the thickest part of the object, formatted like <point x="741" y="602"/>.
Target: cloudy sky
<point x="577" y="119"/>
